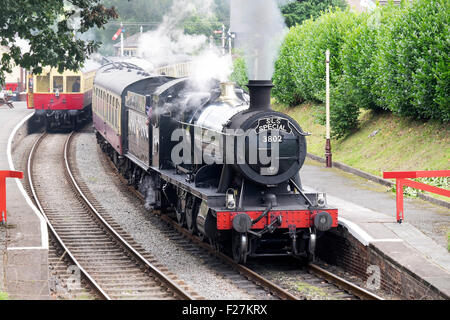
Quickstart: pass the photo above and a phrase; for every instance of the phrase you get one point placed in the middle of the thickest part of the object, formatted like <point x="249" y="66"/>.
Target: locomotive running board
<point x="139" y="162"/>
<point x="210" y="195"/>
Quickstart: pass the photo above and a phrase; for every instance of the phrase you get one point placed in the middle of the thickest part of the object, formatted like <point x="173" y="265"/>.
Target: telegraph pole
<point x="223" y="39"/>
<point x="121" y="40"/>
<point x="328" y="154"/>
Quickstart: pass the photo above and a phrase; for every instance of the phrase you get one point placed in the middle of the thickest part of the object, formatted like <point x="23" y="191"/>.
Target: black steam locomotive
<point x="220" y="161"/>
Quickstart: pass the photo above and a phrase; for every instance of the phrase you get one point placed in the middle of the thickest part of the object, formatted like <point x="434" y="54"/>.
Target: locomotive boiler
<point x="219" y="160"/>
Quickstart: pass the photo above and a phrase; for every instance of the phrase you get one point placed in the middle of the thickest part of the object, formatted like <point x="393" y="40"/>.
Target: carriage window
<point x="95" y="100"/>
<point x="109" y="108"/>
<point x="103" y="104"/>
<point x="58" y="84"/>
<point x="117" y="113"/>
<point x="73" y="84"/>
<point x="43" y="83"/>
<point x="116" y="109"/>
<point x="114" y="112"/>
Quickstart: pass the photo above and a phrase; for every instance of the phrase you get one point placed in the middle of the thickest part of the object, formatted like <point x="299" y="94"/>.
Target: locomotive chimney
<point x="259" y="94"/>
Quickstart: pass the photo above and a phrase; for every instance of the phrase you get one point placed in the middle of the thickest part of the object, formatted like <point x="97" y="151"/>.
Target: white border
<point x="44" y="231"/>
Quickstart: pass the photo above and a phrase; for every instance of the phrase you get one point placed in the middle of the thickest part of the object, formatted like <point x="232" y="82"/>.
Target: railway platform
<point x="24" y="239"/>
<point x="368" y="211"/>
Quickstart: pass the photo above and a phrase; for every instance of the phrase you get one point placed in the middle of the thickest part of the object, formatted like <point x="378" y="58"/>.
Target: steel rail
<point x="343" y="284"/>
<point x="246" y="272"/>
<point x="249" y="274"/>
<point x="161" y="276"/>
<point x="93" y="283"/>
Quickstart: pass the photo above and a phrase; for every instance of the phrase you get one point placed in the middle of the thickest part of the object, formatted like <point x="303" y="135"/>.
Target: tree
<point x="298" y="11"/>
<point x="199" y="25"/>
<point x="50" y="29"/>
<point x="150" y="14"/>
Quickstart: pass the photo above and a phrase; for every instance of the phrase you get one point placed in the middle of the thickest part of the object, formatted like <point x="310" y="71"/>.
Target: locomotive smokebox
<point x="260" y="94"/>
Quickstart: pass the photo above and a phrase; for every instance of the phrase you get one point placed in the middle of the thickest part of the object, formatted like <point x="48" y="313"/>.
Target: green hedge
<point x="394" y="58"/>
<point x="300" y="70"/>
<point x="414" y="62"/>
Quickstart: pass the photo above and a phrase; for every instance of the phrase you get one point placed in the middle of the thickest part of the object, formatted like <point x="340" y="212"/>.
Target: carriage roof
<point x="118" y="76"/>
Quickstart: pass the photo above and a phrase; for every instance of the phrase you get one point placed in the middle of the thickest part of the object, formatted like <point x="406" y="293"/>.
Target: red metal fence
<point x="3" y="176"/>
<point x="402" y="180"/>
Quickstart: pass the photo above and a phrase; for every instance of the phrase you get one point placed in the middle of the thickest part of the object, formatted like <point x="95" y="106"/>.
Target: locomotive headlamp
<point x="321" y="199"/>
<point x="230" y="199"/>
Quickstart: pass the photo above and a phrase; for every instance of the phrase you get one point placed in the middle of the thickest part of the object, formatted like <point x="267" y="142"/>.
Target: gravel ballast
<point x="146" y="229"/>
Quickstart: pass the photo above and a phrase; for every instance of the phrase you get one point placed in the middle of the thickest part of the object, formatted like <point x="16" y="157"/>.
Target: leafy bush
<point x="286" y="88"/>
<point x="298" y="11"/>
<point x="200" y="25"/>
<point x="343" y="113"/>
<point x="239" y="74"/>
<point x="414" y="62"/>
<point x="357" y="58"/>
<point x="300" y="70"/>
<point x="394" y="58"/>
<point x="302" y="56"/>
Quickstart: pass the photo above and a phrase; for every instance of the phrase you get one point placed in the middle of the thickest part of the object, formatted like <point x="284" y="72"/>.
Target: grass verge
<point x="4" y="296"/>
<point x="448" y="241"/>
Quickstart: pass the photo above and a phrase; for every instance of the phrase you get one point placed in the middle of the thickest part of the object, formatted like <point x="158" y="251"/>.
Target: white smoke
<point x="260" y="30"/>
<point x="210" y="64"/>
<point x="168" y="44"/>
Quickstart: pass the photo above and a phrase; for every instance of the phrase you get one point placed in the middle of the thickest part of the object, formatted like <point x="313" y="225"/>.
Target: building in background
<point x="16" y="80"/>
<point x="130" y="46"/>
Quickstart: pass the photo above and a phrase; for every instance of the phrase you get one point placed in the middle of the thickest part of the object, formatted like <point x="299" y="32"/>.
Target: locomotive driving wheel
<point x="239" y="246"/>
<point x="181" y="218"/>
<point x="310" y="255"/>
<point x="191" y="213"/>
<point x="180" y="214"/>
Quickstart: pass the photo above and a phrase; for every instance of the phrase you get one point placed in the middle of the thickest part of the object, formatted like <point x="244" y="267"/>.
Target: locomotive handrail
<point x="402" y="179"/>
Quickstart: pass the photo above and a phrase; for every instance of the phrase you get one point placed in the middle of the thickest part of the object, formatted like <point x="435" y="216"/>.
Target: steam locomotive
<point x="218" y="160"/>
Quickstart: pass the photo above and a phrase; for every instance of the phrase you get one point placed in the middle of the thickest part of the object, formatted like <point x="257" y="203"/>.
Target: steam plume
<point x="260" y="29"/>
<point x="168" y="44"/>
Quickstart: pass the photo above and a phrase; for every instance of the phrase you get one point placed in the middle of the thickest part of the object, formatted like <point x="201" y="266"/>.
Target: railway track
<point x="314" y="275"/>
<point x="103" y="257"/>
<point x="317" y="275"/>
